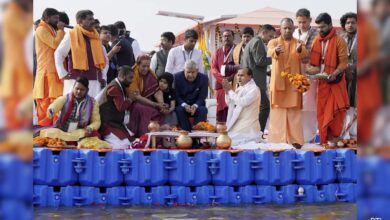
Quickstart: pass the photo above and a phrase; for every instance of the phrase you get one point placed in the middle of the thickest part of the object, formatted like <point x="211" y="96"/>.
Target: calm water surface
<point x="285" y="212"/>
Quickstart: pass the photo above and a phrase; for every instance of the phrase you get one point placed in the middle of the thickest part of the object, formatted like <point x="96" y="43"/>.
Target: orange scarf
<point x="137" y="84"/>
<point x="330" y="58"/>
<point x="79" y="49"/>
<point x="48" y="27"/>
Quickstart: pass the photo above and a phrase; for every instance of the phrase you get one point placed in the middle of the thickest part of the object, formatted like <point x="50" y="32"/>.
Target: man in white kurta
<point x="306" y="34"/>
<point x="244" y="106"/>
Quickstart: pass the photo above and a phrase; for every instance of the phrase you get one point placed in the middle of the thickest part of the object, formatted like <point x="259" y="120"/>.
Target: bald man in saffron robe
<point x="286" y="102"/>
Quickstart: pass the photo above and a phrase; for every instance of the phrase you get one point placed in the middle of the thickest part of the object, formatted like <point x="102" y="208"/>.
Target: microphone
<point x="68" y="26"/>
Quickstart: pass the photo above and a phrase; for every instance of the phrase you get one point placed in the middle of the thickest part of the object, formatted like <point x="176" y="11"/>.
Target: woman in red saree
<point x="145" y="89"/>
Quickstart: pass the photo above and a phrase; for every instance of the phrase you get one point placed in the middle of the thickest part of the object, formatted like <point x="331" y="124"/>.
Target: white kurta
<point x="61" y="53"/>
<point x="309" y="100"/>
<point x="243" y="117"/>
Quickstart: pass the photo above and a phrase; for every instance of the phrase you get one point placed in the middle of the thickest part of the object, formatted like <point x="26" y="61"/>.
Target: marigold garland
<point x="299" y="81"/>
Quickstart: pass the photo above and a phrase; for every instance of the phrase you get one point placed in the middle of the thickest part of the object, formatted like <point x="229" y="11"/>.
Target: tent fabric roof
<point x="261" y="16"/>
<point x="265" y="15"/>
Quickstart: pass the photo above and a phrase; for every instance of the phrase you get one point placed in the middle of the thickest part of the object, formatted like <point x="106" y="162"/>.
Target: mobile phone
<point x="119" y="43"/>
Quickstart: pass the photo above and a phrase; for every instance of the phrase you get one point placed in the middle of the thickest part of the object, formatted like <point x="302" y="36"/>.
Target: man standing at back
<point x="159" y="59"/>
<point x="349" y="24"/>
<point x="87" y="57"/>
<point x="329" y="53"/>
<point x="47" y="85"/>
<point x="222" y="67"/>
<point x="179" y="55"/>
<point x="238" y="52"/>
<point x="130" y="49"/>
<point x="255" y="58"/>
<point x="306" y="34"/>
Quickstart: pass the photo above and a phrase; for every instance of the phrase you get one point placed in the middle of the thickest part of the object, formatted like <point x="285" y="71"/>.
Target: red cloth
<point x="42" y="106"/>
<point x="368" y="83"/>
<point x="140" y="143"/>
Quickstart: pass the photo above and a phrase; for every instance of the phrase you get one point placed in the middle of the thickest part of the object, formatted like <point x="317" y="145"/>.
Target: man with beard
<point x="78" y="114"/>
<point x="329" y="54"/>
<point x="349" y="25"/>
<point x="86" y="55"/>
<point x="47" y="85"/>
<point x="222" y="67"/>
<point x="115" y="110"/>
<point x="285" y="125"/>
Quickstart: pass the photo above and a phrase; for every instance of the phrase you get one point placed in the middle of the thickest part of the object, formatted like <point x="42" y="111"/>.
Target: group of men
<point x="294" y="117"/>
<point x="83" y="70"/>
<point x="101" y="63"/>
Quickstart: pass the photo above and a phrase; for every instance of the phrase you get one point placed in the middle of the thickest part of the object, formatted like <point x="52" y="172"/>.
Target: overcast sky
<point x="145" y="26"/>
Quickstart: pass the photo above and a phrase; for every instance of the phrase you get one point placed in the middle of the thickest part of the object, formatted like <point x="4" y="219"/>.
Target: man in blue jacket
<point x="191" y="92"/>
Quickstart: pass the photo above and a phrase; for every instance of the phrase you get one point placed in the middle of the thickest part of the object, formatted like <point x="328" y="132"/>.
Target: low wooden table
<point x="153" y="135"/>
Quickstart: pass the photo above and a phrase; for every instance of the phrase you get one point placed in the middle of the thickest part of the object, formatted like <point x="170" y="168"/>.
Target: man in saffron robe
<point x="329" y="53"/>
<point x="87" y="58"/>
<point x="149" y="99"/>
<point x="47" y="85"/>
<point x="285" y="124"/>
<point x="79" y="114"/>
<point x="16" y="76"/>
<point x="368" y="78"/>
<point x="223" y="67"/>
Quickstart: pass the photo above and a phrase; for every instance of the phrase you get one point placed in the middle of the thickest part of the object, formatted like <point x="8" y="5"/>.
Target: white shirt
<point x="153" y="62"/>
<point x="301" y="35"/>
<point x="136" y="49"/>
<point x="62" y="52"/>
<point x="178" y="56"/>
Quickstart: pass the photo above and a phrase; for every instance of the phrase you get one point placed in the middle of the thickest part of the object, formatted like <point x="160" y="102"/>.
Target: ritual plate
<point x="320" y="76"/>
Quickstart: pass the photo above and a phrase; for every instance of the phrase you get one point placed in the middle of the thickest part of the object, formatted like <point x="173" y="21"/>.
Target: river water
<point x="323" y="211"/>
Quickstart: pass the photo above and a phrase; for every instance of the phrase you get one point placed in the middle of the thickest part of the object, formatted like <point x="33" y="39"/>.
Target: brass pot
<point x="153" y="126"/>
<point x="221" y="127"/>
<point x="184" y="141"/>
<point x="223" y="141"/>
